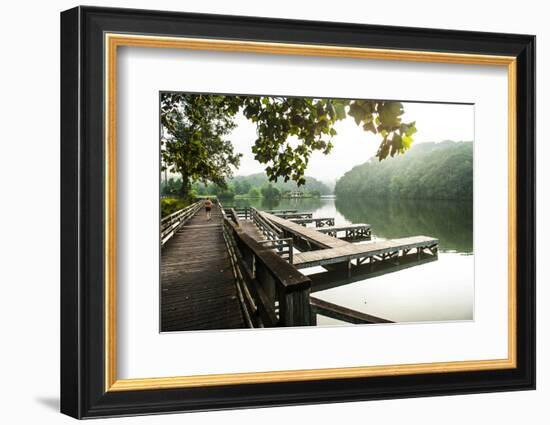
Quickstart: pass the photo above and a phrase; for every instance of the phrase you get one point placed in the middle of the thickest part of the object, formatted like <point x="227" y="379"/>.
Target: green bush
<point x="270" y="192"/>
<point x="171" y="205"/>
<point x="226" y="194"/>
<point x="254" y="193"/>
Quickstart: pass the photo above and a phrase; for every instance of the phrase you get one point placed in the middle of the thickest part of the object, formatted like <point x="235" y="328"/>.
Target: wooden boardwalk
<point x="352" y="232"/>
<point x="311" y="235"/>
<point x="318" y="221"/>
<point x="198" y="290"/>
<point x="389" y="248"/>
<point x="234" y="272"/>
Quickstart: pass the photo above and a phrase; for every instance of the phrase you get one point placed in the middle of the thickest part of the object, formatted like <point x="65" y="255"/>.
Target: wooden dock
<point x="306" y="238"/>
<point x="378" y="251"/>
<point x="281" y="211"/>
<point x="240" y="269"/>
<point x="352" y="232"/>
<point x="318" y="221"/>
<point x="198" y="289"/>
<point x="295" y="215"/>
<point x="346" y="261"/>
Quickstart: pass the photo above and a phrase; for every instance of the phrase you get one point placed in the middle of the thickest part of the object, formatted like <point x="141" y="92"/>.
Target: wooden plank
<point x="353" y="251"/>
<point x="198" y="288"/>
<point x="311" y="220"/>
<point x="251" y="229"/>
<point x="312" y="235"/>
<point x="295" y="215"/>
<point x="285" y="273"/>
<point x="280" y="211"/>
<point x="329" y="229"/>
<point x="335" y="278"/>
<point x="352" y="232"/>
<point x="344" y="314"/>
<point x="265" y="306"/>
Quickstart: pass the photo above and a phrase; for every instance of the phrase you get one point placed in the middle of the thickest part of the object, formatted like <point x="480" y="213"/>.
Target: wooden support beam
<point x="344" y="314"/>
<point x="339" y="277"/>
<point x="379" y="250"/>
<point x="294" y="215"/>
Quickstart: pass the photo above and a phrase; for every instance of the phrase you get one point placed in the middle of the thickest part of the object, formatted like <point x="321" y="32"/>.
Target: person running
<point x="208" y="208"/>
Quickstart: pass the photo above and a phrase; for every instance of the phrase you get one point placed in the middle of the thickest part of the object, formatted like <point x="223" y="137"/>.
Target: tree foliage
<point x="260" y="179"/>
<point x="289" y="130"/>
<point x="170" y="187"/>
<point x="193" y="139"/>
<point x="428" y="171"/>
<point x="254" y="193"/>
<point x="269" y="191"/>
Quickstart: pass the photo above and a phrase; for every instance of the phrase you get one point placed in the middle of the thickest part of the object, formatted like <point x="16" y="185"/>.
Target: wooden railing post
<point x="273" y="278"/>
<point x="267" y="281"/>
<point x="290" y="250"/>
<point x="294" y="307"/>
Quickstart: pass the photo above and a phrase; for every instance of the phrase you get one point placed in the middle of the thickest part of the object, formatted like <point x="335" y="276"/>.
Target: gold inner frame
<point x="113" y="41"/>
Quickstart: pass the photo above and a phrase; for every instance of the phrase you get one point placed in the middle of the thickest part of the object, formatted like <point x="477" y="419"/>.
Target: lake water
<point x="438" y="291"/>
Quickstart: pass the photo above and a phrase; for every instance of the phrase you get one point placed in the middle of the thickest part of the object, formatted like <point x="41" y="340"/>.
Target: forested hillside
<point x="260" y="179"/>
<point x="427" y="171"/>
<point x="253" y="185"/>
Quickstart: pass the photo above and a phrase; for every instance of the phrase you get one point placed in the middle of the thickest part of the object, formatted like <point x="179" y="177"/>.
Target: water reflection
<point x="300" y="204"/>
<point x="449" y="221"/>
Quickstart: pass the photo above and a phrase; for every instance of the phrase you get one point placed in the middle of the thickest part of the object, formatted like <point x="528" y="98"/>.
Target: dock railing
<point x="269" y="230"/>
<point x="284" y="247"/>
<point x="242" y="213"/>
<point x="170" y="224"/>
<point x="274" y="236"/>
<point x="272" y="291"/>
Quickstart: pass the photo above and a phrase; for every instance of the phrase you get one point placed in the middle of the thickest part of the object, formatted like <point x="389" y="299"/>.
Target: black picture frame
<point x="83" y="392"/>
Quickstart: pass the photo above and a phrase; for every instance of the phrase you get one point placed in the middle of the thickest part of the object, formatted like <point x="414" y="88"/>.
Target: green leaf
<point x="369" y="126"/>
<point x="340" y="111"/>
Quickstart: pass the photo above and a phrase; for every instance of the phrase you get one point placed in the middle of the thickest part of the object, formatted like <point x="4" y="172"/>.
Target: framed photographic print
<point x="262" y="212"/>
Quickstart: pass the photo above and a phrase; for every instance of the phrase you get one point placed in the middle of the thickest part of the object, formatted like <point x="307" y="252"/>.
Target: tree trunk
<point x="185" y="189"/>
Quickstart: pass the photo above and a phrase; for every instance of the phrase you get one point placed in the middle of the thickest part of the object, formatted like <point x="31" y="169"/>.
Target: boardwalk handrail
<point x="238" y="213"/>
<point x="305" y="238"/>
<point x="234" y="216"/>
<point x="272" y="284"/>
<point x="284" y="247"/>
<point x="319" y="221"/>
<point x="269" y="229"/>
<point x="170" y="224"/>
<point x="274" y="235"/>
<point x="231" y="214"/>
<point x="281" y="211"/>
<point x="242" y="212"/>
<point x="295" y="215"/>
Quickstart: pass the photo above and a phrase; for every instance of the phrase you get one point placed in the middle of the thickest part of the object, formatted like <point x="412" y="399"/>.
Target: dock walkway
<point x="197" y="280"/>
<point x="318" y="221"/>
<point x="381" y="249"/>
<point x="320" y="240"/>
<point x="352" y="232"/>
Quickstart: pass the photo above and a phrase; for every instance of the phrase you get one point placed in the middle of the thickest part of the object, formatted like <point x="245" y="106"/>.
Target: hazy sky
<point x="353" y="146"/>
